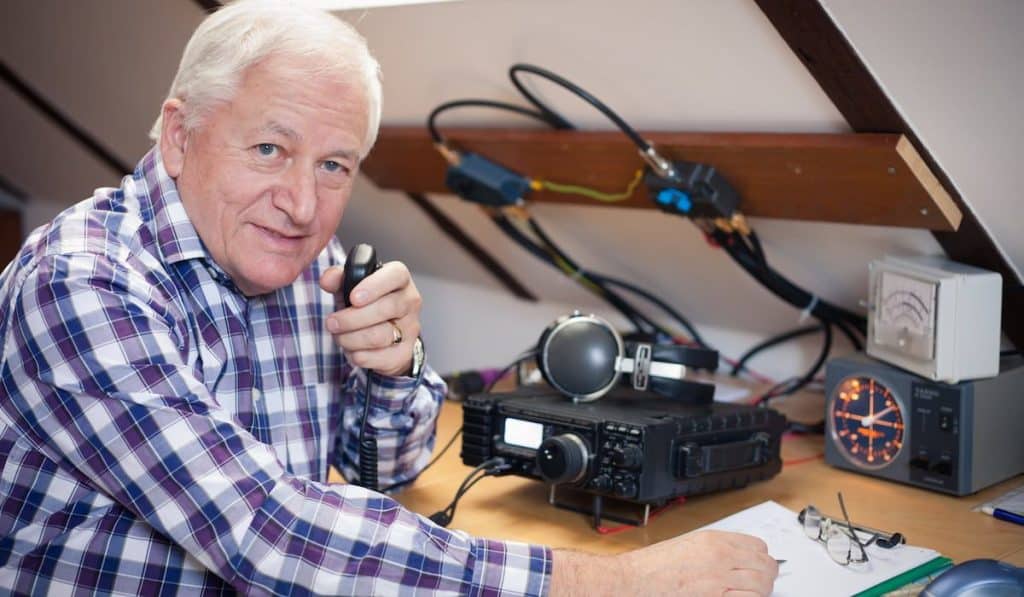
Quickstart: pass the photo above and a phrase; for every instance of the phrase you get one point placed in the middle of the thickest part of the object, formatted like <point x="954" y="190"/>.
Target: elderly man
<point x="176" y="380"/>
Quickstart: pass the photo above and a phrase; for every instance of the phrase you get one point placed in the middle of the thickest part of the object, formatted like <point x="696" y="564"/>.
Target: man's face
<point x="265" y="178"/>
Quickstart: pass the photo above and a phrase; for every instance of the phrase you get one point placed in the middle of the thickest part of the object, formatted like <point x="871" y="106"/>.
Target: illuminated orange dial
<point x="867" y="422"/>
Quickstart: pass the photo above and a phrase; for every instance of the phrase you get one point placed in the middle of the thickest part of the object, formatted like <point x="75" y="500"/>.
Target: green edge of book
<point x="901" y="580"/>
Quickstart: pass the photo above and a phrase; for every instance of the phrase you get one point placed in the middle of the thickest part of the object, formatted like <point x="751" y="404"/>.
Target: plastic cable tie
<point x="808" y="309"/>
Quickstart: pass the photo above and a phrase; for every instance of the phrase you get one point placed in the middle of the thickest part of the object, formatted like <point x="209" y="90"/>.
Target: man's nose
<point x="299" y="199"/>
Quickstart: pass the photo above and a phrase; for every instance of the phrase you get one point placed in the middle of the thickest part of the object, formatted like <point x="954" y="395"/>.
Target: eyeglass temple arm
<point x="880" y="535"/>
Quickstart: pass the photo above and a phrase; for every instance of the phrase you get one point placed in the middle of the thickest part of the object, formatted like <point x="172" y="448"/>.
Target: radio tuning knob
<point x="563" y="459"/>
<point x="628" y="456"/>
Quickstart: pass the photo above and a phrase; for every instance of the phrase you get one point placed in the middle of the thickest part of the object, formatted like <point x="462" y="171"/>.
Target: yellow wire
<point x="570" y="189"/>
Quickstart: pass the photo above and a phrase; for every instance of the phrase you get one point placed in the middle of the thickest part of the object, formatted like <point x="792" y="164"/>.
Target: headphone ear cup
<point x="691" y="392"/>
<point x="577" y="356"/>
<point x="542" y="348"/>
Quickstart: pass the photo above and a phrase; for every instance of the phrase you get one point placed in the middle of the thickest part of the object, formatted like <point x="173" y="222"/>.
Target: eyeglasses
<point x="840" y="537"/>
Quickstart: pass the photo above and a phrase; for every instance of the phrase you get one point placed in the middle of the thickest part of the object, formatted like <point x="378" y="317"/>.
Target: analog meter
<point x="935" y="317"/>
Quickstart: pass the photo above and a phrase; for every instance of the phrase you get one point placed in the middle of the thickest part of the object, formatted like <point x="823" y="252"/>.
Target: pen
<point x="1000" y="514"/>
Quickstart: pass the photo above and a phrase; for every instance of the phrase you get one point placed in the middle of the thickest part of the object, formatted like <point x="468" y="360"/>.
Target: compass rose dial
<point x="867" y="422"/>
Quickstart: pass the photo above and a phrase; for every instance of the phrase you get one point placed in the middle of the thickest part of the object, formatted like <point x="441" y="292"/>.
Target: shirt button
<point x="256" y="395"/>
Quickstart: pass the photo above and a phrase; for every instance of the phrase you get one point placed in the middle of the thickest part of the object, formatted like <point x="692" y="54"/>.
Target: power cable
<point x="473" y="248"/>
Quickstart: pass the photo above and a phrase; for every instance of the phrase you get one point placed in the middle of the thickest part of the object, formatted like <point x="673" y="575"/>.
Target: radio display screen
<point x="524" y="434"/>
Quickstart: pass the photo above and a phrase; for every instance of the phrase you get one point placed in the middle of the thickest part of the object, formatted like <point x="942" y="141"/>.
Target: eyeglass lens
<point x="838" y="543"/>
<point x="812" y="522"/>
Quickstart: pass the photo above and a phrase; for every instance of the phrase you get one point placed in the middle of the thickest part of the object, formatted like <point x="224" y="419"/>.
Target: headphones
<point x="583" y="357"/>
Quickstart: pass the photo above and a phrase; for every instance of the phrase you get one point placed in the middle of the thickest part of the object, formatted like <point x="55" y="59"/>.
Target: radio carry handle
<point x="694" y="460"/>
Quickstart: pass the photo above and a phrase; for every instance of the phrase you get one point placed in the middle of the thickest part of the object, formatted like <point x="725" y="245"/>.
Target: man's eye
<point x="266" y="149"/>
<point x="332" y="166"/>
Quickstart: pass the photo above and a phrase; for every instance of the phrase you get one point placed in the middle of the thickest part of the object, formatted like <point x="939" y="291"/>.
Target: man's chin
<point x="266" y="279"/>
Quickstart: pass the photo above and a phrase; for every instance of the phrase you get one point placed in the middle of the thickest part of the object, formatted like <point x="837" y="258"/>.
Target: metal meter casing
<point x="935" y="317"/>
<point x="958" y="439"/>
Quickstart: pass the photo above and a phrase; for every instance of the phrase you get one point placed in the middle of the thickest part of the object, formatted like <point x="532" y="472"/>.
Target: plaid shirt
<point x="161" y="432"/>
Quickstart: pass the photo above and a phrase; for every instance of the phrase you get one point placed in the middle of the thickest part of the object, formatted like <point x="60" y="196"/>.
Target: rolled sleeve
<point x="510" y="568"/>
<point x="403" y="417"/>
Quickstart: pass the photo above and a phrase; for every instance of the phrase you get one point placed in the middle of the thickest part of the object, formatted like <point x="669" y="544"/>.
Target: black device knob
<point x="563" y="458"/>
<point x="628" y="456"/>
<point x="625" y="488"/>
<point x="360" y="263"/>
<point x="601" y="483"/>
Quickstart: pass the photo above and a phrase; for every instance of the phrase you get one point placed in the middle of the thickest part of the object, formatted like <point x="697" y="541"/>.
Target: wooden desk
<point x="517" y="508"/>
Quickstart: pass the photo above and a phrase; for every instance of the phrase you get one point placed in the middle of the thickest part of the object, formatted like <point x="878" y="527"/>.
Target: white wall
<point x="687" y="65"/>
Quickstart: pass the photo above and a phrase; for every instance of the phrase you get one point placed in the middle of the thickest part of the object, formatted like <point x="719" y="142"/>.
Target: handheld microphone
<point x="360" y="263"/>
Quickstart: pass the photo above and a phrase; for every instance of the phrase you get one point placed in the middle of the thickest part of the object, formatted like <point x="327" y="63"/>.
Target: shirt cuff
<point x="393" y="393"/>
<point x="510" y="568"/>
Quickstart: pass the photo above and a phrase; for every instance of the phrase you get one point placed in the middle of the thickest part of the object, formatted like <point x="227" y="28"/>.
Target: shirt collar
<point x="176" y="237"/>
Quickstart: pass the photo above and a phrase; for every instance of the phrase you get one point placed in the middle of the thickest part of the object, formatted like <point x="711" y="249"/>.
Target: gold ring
<point x="396" y="333"/>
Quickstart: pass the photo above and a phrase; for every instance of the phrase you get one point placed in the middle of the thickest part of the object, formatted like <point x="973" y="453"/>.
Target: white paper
<point x="808" y="569"/>
<point x="1012" y="501"/>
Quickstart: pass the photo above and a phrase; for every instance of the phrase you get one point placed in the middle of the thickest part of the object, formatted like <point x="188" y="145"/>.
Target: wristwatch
<point x="419" y="357"/>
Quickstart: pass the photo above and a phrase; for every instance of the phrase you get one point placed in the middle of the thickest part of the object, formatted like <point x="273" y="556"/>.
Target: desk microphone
<point x="360" y="263"/>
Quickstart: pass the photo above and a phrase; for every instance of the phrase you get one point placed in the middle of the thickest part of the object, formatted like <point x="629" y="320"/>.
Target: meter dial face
<point x="907" y="302"/>
<point x="867" y="422"/>
<point x="904" y="316"/>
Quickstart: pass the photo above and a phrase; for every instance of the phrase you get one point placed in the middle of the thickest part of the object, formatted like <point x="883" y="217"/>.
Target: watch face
<point x="419" y="357"/>
<point x="867" y="422"/>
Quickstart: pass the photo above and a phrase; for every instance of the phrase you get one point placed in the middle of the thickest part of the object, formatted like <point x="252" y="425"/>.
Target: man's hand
<point x="366" y="330"/>
<point x="704" y="563"/>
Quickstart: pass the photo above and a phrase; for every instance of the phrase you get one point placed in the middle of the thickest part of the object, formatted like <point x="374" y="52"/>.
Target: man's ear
<point x="173" y="136"/>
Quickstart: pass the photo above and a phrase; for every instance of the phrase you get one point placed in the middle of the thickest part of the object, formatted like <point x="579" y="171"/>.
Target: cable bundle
<point x="730" y="232"/>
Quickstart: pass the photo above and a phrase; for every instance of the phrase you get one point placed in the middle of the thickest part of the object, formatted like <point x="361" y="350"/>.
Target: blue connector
<point x="676" y="198"/>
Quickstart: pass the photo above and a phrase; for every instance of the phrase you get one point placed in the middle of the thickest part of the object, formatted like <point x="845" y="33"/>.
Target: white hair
<point x="243" y="33"/>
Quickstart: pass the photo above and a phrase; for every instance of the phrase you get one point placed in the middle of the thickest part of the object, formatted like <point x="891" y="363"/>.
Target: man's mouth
<point x="280" y="237"/>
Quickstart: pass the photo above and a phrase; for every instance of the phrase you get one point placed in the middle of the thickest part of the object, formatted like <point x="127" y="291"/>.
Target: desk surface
<point x="517" y="508"/>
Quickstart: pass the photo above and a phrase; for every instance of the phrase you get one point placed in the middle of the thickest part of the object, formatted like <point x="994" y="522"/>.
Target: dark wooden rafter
<point x="208" y="5"/>
<point x="12" y="190"/>
<point x="833" y="62"/>
<point x="472" y="248"/>
<point x="40" y="103"/>
<point x="10" y="234"/>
